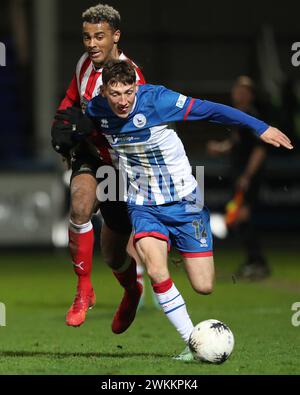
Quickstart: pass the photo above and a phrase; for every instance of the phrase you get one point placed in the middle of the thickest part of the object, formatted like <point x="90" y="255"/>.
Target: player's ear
<point x="117" y="35"/>
<point x="102" y="90"/>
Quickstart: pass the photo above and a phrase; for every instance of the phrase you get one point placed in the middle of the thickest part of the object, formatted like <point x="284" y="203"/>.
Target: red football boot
<point x="127" y="309"/>
<point x="83" y="301"/>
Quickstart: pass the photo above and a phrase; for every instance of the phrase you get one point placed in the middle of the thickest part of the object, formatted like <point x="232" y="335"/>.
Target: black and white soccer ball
<point x="211" y="341"/>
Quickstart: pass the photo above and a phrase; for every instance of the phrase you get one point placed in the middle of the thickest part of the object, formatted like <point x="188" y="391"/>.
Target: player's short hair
<point x="118" y="71"/>
<point x="102" y="13"/>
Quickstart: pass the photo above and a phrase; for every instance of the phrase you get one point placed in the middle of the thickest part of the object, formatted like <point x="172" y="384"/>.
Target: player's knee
<point x="113" y="265"/>
<point x="108" y="260"/>
<point x="114" y="261"/>
<point x="81" y="210"/>
<point x="80" y="214"/>
<point x="156" y="274"/>
<point x="113" y="257"/>
<point x="82" y="204"/>
<point x="204" y="289"/>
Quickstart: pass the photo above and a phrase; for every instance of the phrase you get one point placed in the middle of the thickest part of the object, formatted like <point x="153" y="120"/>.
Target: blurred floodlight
<point x="218" y="225"/>
<point x="60" y="237"/>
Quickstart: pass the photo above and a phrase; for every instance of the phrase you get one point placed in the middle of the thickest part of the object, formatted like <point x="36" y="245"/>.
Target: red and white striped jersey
<point x="85" y="85"/>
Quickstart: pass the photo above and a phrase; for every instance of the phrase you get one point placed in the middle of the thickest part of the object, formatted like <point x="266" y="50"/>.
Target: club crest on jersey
<point x="139" y="120"/>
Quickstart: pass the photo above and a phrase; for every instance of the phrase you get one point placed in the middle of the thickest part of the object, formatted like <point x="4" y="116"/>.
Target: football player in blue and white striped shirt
<point x="162" y="195"/>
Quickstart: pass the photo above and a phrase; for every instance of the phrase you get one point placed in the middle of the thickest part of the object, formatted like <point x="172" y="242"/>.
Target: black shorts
<point x="85" y="160"/>
<point x="116" y="216"/>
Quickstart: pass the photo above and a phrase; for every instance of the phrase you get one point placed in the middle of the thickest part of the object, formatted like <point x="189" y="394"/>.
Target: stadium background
<point x="197" y="48"/>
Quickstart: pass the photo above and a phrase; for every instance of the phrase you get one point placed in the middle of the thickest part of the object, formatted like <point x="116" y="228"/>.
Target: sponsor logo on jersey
<point x="121" y="140"/>
<point x="181" y="101"/>
<point x="140" y="137"/>
<point x="139" y="120"/>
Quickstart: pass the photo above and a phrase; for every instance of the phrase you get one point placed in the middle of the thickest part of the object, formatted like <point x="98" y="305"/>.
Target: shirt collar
<point x="99" y="69"/>
<point x="134" y="105"/>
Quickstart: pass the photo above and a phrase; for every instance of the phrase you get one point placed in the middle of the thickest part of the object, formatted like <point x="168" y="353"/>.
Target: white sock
<point x="174" y="307"/>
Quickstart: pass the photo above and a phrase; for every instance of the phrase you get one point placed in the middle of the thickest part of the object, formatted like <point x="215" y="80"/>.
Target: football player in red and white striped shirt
<point x="101" y="34"/>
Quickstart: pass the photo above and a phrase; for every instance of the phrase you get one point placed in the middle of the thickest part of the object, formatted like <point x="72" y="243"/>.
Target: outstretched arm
<point x="219" y="113"/>
<point x="173" y="106"/>
<point x="224" y="115"/>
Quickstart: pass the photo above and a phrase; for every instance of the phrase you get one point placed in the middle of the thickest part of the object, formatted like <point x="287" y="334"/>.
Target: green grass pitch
<point x="37" y="290"/>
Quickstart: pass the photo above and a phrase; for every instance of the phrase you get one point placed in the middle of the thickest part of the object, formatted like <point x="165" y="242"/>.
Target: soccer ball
<point x="211" y="341"/>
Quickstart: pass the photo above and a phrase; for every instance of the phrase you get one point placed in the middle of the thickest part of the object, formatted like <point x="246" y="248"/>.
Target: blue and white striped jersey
<point x="151" y="155"/>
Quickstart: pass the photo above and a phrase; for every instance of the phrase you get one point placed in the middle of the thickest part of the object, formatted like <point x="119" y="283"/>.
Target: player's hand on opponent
<point x="276" y="137"/>
<point x="70" y="126"/>
<point x="78" y="122"/>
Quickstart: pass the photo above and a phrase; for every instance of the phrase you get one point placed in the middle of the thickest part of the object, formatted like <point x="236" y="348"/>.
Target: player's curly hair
<point x="102" y="13"/>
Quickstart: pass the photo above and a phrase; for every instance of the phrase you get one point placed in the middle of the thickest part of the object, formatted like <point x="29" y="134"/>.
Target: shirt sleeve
<point x="170" y="106"/>
<point x="72" y="95"/>
<point x="94" y="109"/>
<point x="226" y="115"/>
<point x="140" y="78"/>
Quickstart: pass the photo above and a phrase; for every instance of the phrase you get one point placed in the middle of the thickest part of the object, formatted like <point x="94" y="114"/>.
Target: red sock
<point x="163" y="286"/>
<point x="128" y="278"/>
<point x="81" y="246"/>
<point x="125" y="314"/>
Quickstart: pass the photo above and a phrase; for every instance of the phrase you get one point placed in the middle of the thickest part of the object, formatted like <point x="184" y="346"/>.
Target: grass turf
<point x="37" y="290"/>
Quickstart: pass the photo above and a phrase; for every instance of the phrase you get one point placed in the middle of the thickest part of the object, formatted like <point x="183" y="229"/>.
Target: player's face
<point x="100" y="42"/>
<point x="120" y="98"/>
